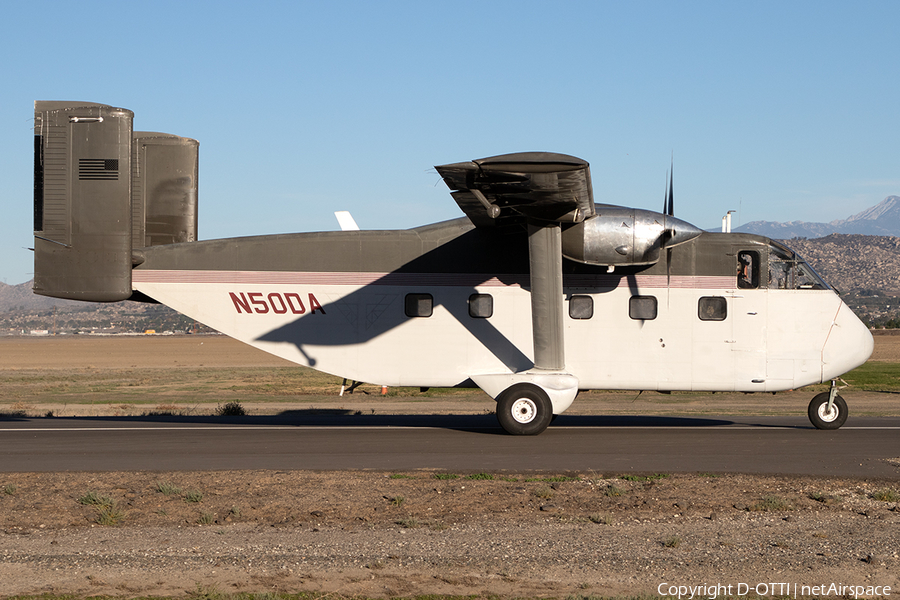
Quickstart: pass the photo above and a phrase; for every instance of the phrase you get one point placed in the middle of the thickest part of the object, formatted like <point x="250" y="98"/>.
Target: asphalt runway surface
<point x="864" y="447"/>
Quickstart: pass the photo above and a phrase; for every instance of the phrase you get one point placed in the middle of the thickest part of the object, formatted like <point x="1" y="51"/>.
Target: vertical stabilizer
<point x="82" y="201"/>
<point x="164" y="192"/>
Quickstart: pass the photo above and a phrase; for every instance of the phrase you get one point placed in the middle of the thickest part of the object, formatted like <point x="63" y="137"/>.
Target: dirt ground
<point x="388" y="534"/>
<point x="112" y="352"/>
<point x="408" y="533"/>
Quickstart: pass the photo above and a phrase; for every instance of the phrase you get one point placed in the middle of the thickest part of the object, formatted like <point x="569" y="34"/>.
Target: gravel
<point x="456" y="536"/>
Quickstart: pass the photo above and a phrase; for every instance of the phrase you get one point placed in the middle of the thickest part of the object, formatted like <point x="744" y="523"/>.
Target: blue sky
<point x="778" y="110"/>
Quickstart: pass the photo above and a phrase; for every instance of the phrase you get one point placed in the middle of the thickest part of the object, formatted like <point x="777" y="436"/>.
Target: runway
<point x="603" y="444"/>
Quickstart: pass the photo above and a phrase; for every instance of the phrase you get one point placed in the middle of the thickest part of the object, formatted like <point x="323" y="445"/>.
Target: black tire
<point x="524" y="409"/>
<point x="819" y="416"/>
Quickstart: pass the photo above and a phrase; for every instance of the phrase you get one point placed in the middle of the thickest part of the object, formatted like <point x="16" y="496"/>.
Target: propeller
<point x="665" y="209"/>
<point x="670" y="208"/>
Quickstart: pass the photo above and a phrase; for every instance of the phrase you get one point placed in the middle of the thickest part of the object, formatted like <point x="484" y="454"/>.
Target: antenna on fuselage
<point x="726" y="222"/>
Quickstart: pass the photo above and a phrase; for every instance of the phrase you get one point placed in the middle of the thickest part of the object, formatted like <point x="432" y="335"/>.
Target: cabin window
<point x="419" y="305"/>
<point x="748" y="270"/>
<point x="713" y="308"/>
<point x="581" y="307"/>
<point x="642" y="308"/>
<point x="481" y="306"/>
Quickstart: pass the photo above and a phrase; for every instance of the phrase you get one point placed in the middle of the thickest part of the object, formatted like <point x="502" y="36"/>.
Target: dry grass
<point x="193" y="375"/>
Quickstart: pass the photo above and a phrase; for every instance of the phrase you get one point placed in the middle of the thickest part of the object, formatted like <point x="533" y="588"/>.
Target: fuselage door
<point x="749" y="322"/>
<point x="712" y="358"/>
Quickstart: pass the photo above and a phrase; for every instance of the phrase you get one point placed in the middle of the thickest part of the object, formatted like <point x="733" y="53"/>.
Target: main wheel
<point x="821" y="417"/>
<point x="524" y="409"/>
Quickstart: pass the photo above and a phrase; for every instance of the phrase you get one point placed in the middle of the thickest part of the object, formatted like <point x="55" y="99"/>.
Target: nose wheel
<point x="828" y="410"/>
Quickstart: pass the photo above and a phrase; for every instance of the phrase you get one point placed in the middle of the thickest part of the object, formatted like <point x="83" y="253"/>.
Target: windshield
<point x="788" y="271"/>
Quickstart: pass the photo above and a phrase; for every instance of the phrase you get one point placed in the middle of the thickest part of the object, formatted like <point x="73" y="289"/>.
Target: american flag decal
<point x="98" y="168"/>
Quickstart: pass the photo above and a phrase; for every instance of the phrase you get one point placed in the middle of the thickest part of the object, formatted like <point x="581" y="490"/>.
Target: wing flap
<point x="539" y="185"/>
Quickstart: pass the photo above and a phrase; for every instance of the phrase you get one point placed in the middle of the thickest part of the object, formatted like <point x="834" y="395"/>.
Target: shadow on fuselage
<point x="456" y="266"/>
<point x="451" y="273"/>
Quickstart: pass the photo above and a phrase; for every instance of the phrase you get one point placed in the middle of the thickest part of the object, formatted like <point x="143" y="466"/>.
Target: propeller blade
<point x="670" y="209"/>
<point x="666" y="196"/>
<point x="668" y="273"/>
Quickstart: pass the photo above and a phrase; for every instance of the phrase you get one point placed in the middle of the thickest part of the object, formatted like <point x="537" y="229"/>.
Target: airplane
<point x="536" y="293"/>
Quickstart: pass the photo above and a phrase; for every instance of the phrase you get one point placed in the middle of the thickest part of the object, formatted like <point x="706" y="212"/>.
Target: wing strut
<point x="545" y="257"/>
<point x="544" y="190"/>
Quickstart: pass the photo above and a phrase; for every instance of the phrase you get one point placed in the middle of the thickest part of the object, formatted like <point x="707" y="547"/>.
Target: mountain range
<point x="881" y="219"/>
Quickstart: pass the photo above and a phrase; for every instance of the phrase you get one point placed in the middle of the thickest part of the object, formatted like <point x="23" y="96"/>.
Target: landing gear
<point x="524" y="409"/>
<point x="828" y="410"/>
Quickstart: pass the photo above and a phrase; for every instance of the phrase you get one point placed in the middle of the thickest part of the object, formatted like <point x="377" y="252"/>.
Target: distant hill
<point x="854" y="262"/>
<point x="22" y="311"/>
<point x="20" y="297"/>
<point x="882" y="219"/>
<point x="864" y="268"/>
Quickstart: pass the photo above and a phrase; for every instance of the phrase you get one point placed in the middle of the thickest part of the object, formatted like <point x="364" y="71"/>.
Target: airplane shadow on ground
<point x="485" y="423"/>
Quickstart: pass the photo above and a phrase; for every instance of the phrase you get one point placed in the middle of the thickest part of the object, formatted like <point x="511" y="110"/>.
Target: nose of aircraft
<point x="849" y="344"/>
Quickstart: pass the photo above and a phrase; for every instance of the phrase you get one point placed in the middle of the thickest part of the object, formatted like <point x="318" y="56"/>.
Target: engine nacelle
<point x="624" y="236"/>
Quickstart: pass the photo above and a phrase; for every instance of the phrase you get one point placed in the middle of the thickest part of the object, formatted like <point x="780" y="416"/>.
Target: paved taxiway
<point x="772" y="445"/>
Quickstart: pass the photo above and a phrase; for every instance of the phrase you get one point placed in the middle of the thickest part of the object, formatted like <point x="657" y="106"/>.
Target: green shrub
<point x="825" y="498"/>
<point x="672" y="541"/>
<point x="231" y="409"/>
<point x="94" y="499"/>
<point x="167" y="488"/>
<point x="544" y="492"/>
<point x="601" y="518"/>
<point x="885" y="495"/>
<point x="409" y="523"/>
<point x="109" y="514"/>
<point x="193" y="496"/>
<point x="644" y="478"/>
<point x="771" y="503"/>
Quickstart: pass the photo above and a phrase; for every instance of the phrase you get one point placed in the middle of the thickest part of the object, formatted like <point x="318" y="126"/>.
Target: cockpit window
<point x="788" y="271"/>
<point x="748" y="269"/>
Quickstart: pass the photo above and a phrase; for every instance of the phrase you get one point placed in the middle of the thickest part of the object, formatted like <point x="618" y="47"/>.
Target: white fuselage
<point x="355" y="325"/>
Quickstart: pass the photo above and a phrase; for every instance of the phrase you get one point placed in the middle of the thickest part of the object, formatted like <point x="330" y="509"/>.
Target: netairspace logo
<point x="794" y="590"/>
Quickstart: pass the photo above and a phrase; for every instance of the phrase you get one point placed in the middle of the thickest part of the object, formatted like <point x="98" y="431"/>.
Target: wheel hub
<point x="524" y="410"/>
<point x="826" y="415"/>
